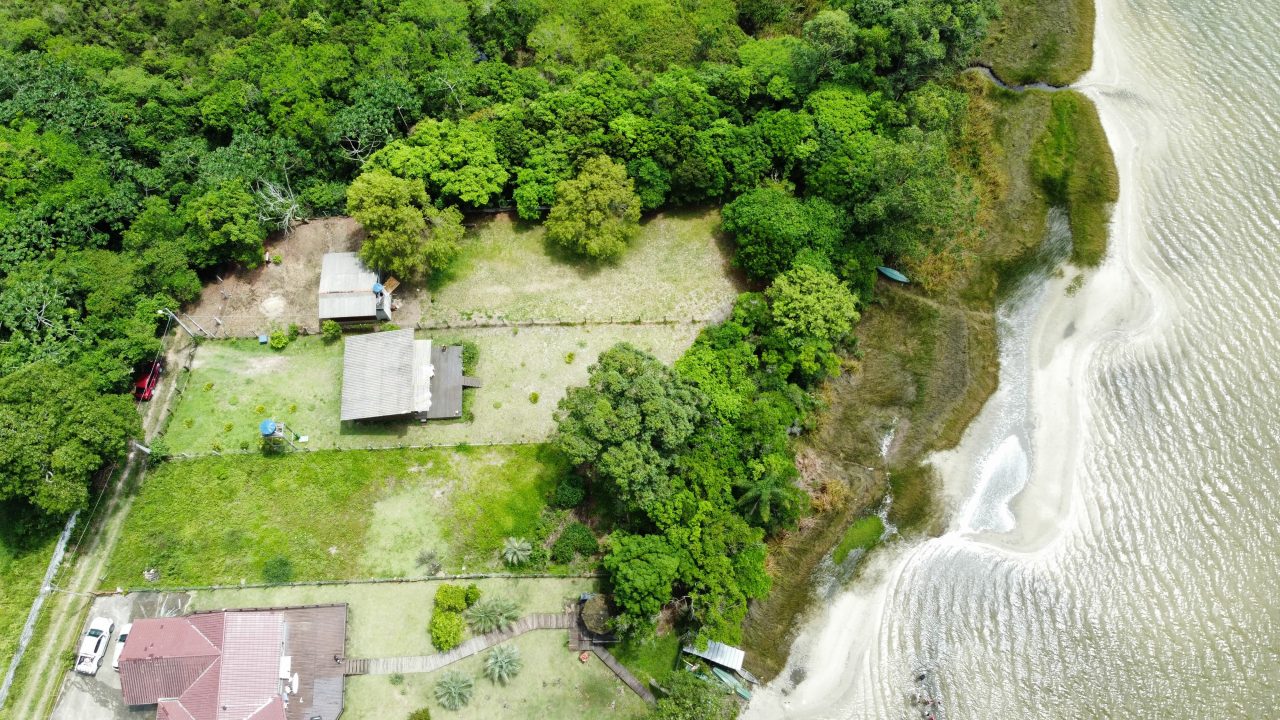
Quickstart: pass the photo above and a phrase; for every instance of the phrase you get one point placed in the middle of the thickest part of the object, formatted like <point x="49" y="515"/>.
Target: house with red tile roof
<point x="259" y="664"/>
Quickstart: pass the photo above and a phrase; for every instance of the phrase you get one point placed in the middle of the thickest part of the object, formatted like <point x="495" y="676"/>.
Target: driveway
<point x="97" y="697"/>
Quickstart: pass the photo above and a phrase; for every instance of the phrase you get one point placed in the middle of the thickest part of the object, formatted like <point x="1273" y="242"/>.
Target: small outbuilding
<point x="392" y="374"/>
<point x="352" y="294"/>
<point x="724" y="656"/>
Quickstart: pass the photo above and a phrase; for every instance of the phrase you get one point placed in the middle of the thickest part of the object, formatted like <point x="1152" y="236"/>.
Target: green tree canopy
<point x="809" y="303"/>
<point x="626" y="425"/>
<point x="641" y="570"/>
<point x="407" y="235"/>
<point x="58" y="431"/>
<point x="222" y="225"/>
<point x="455" y="160"/>
<point x="771" y="227"/>
<point x="597" y="213"/>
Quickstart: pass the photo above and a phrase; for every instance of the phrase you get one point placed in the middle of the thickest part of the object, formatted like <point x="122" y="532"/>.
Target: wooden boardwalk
<point x="430" y="663"/>
<point x="624" y="674"/>
<point x="567" y="620"/>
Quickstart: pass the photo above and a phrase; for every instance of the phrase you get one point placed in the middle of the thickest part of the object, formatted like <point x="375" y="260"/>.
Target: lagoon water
<point x="1114" y="549"/>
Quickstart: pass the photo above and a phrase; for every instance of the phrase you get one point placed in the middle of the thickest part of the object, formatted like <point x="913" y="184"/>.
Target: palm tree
<point x="503" y="663"/>
<point x="516" y="551"/>
<point x="491" y="614"/>
<point x="769" y="497"/>
<point x="453" y="690"/>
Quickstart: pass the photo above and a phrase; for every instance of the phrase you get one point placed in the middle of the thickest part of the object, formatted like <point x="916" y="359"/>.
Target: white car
<point x="93" y="646"/>
<point x="124" y="635"/>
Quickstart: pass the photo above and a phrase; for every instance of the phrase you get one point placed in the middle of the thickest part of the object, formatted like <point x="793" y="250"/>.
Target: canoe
<point x="893" y="274"/>
<point x="732" y="682"/>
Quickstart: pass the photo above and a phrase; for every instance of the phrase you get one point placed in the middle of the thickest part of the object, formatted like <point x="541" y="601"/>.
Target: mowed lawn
<point x="677" y="268"/>
<point x="553" y="685"/>
<point x="331" y="515"/>
<point x="234" y="384"/>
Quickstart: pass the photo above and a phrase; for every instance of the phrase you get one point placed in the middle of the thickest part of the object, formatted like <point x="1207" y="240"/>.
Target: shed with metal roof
<point x="351" y="293"/>
<point x="392" y="374"/>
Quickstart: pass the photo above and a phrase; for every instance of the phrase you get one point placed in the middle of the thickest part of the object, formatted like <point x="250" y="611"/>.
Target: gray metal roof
<point x="378" y="375"/>
<point x="346" y="287"/>
<point x="726" y="656"/>
<point x="345" y="272"/>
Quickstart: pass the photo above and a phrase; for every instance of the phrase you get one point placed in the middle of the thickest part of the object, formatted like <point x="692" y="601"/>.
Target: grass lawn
<point x="23" y="560"/>
<point x="552" y="685"/>
<point x="234" y="384"/>
<point x="677" y="268"/>
<point x="333" y="515"/>
<point x="649" y="659"/>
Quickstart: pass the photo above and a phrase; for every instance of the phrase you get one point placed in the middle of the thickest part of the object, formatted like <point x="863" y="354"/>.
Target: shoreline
<point x="1062" y="340"/>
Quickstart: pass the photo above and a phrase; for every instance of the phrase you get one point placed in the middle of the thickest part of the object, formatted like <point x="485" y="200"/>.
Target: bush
<point x="569" y="493"/>
<point x="473" y="594"/>
<point x="330" y="331"/>
<point x="576" y="539"/>
<point x="503" y="663"/>
<point x="533" y="398"/>
<point x="160" y="450"/>
<point x="492" y="614"/>
<point x="451" y="598"/>
<point x="279" y="340"/>
<point x="516" y="551"/>
<point x="446" y="629"/>
<point x="453" y="691"/>
<point x="538" y="557"/>
<point x="277" y="570"/>
<point x="470" y="357"/>
<point x="422" y="714"/>
<point x="294" y="331"/>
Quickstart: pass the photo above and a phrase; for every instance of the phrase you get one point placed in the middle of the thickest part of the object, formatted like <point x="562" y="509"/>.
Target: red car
<point x="146" y="384"/>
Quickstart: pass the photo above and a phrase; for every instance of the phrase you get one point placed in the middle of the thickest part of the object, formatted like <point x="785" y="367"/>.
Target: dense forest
<point x="144" y="144"/>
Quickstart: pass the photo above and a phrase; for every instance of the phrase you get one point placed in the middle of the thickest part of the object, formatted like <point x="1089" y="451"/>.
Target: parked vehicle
<point x="124" y="635"/>
<point x="146" y="384"/>
<point x="93" y="646"/>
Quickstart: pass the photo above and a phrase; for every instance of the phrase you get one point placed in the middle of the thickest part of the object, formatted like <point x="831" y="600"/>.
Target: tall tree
<point x="407" y="235"/>
<point x="627" y="424"/>
<point x="597" y="213"/>
<point x="58" y="430"/>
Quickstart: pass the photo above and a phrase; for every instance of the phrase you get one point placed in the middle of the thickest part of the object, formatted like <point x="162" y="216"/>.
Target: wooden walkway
<point x="579" y="640"/>
<point x="430" y="663"/>
<point x="567" y="620"/>
<point x="624" y="674"/>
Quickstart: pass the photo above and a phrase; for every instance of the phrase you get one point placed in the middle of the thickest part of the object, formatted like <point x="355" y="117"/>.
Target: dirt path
<point x="43" y="667"/>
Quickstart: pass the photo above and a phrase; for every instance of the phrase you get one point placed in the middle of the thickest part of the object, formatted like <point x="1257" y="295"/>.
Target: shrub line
<point x="358" y="581"/>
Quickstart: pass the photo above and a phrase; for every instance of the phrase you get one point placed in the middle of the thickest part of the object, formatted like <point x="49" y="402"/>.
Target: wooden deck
<point x="446" y="383"/>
